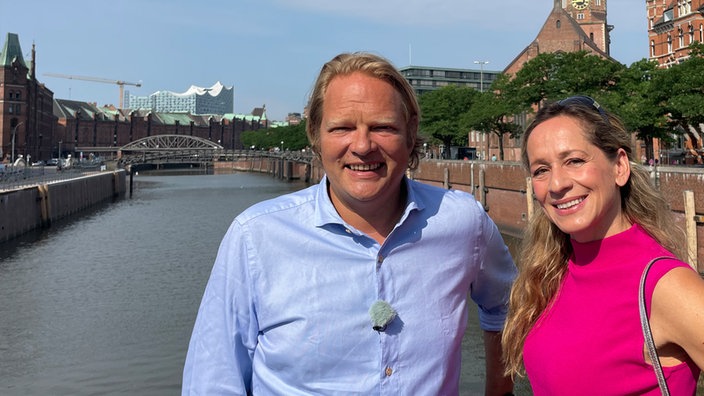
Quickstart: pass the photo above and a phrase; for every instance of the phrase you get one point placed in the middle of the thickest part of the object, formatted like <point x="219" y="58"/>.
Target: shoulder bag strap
<point x="646" y="330"/>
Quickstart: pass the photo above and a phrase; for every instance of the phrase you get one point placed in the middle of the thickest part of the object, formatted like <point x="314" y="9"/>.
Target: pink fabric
<point x="590" y="342"/>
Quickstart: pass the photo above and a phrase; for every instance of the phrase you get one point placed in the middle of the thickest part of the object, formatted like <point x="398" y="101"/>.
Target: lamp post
<point x="481" y="73"/>
<point x="14" y="132"/>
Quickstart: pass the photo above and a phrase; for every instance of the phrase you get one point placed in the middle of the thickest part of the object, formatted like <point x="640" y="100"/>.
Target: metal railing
<point x="18" y="177"/>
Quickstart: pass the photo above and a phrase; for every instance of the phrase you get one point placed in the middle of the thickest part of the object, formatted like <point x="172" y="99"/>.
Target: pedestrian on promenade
<point x="359" y="284"/>
<point x="574" y="323"/>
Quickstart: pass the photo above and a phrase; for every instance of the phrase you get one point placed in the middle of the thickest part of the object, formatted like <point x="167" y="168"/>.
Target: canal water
<point x="104" y="303"/>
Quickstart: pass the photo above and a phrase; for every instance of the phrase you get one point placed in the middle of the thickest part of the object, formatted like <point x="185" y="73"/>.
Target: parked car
<point x="39" y="163"/>
<point x="53" y="162"/>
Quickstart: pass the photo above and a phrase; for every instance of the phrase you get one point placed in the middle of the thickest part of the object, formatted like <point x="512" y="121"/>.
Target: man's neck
<point x="377" y="221"/>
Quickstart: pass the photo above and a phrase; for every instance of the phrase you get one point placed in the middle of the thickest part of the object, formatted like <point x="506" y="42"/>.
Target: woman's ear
<point x="622" y="168"/>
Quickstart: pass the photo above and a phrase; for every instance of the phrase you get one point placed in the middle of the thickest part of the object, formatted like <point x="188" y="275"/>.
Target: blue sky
<point x="272" y="50"/>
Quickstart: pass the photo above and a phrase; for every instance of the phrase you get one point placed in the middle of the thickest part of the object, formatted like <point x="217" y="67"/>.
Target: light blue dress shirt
<point x="285" y="311"/>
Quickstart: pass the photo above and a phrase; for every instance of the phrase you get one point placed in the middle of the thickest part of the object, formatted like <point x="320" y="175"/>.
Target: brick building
<point x="83" y="127"/>
<point x="571" y="26"/>
<point x="27" y="121"/>
<point x="673" y="25"/>
<point x="37" y="126"/>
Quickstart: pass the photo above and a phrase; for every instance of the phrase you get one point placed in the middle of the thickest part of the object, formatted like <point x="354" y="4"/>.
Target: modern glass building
<point x="217" y="99"/>
<point x="423" y="78"/>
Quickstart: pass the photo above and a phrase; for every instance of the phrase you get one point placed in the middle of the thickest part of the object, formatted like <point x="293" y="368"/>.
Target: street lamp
<point x="14" y="132"/>
<point x="481" y="73"/>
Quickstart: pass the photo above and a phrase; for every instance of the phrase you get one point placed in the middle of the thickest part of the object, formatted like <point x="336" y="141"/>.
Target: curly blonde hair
<point x="545" y="249"/>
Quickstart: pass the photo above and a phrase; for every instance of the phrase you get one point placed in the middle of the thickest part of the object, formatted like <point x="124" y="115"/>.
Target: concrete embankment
<point x="29" y="208"/>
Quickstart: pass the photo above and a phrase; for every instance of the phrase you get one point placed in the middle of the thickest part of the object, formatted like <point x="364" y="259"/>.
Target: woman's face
<point x="577" y="186"/>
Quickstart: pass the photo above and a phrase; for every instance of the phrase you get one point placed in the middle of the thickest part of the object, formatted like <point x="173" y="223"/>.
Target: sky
<point x="271" y="51"/>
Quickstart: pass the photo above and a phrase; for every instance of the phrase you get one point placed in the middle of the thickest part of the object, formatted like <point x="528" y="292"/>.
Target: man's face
<point x="364" y="144"/>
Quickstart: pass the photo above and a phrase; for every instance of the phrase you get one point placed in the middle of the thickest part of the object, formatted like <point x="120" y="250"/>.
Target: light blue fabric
<point x="285" y="311"/>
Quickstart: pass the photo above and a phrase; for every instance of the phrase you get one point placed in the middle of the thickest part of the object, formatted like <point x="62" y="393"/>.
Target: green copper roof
<point x="11" y="50"/>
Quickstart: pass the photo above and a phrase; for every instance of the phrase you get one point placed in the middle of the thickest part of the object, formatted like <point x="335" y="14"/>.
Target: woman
<point x="574" y="323"/>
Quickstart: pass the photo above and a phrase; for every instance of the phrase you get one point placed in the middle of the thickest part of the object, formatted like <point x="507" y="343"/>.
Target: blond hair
<point x="373" y="66"/>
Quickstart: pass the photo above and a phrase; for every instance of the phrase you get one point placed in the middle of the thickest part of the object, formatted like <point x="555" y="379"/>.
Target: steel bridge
<point x="170" y="148"/>
<point x="186" y="149"/>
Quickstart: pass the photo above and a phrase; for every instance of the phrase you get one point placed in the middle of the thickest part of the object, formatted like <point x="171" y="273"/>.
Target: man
<point x="287" y="308"/>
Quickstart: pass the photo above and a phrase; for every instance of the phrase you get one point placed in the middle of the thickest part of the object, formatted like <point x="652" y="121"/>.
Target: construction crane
<point x="121" y="83"/>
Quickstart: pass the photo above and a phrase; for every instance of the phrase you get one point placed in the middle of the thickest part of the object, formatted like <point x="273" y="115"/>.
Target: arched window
<point x="558" y="24"/>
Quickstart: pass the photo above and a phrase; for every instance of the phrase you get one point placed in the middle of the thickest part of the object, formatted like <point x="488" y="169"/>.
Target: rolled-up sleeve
<point x="496" y="274"/>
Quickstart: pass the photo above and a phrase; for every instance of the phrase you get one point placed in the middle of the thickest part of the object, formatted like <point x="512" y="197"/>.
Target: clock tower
<point x="591" y="17"/>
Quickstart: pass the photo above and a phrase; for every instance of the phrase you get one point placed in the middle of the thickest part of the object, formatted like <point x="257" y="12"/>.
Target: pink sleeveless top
<point x="589" y="341"/>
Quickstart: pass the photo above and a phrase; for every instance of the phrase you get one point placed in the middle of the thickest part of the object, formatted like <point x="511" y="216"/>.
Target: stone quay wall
<point x="37" y="206"/>
<point x="502" y="188"/>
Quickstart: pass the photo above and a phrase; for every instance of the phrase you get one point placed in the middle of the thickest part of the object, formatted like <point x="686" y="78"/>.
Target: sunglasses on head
<point x="587" y="102"/>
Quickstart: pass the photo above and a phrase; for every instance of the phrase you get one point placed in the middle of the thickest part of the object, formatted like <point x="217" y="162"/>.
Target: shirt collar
<point x="325" y="212"/>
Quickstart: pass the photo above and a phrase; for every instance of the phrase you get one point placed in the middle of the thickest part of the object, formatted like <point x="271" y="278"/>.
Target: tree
<point x="680" y="89"/>
<point x="441" y="111"/>
<point x="293" y="136"/>
<point x="493" y="112"/>
<point x="638" y="106"/>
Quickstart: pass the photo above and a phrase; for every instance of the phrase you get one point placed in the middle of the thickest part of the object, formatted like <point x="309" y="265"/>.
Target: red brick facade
<point x="578" y="26"/>
<point x="673" y="25"/>
<point x="569" y="29"/>
<point x="26" y="106"/>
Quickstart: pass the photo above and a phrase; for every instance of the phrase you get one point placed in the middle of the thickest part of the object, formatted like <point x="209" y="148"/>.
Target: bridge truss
<point x="170" y="148"/>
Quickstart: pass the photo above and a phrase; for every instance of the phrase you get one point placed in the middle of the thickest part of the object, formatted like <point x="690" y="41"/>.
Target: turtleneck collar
<point x="603" y="249"/>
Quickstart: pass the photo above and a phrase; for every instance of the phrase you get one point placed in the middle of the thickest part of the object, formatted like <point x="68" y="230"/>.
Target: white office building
<point x="217" y="99"/>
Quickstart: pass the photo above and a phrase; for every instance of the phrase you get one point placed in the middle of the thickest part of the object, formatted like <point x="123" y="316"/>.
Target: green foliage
<point x="441" y="111"/>
<point x="653" y="102"/>
<point x="293" y="136"/>
<point x="554" y="76"/>
<point x="680" y="90"/>
<point x="493" y="112"/>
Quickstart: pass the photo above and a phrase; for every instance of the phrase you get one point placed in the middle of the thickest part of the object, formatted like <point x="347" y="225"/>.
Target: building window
<point x="11" y="108"/>
<point x="17" y="109"/>
<point x="558" y="24"/>
<point x="580" y="16"/>
<point x="598" y="2"/>
<point x="691" y="34"/>
<point x="652" y="48"/>
<point x="680" y="37"/>
<point x="669" y="44"/>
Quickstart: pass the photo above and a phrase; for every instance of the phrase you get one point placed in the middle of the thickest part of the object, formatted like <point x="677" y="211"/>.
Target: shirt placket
<point x="388" y="341"/>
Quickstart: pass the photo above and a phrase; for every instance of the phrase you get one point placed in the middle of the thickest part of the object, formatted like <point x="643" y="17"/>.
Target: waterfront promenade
<point x="33" y="197"/>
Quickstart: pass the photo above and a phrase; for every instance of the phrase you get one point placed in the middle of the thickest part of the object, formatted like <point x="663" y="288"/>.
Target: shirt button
<point x="388" y="371"/>
<point x="347" y="230"/>
<point x="379" y="259"/>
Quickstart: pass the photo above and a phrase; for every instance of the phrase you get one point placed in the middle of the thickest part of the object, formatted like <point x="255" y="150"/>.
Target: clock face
<point x="580" y="4"/>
